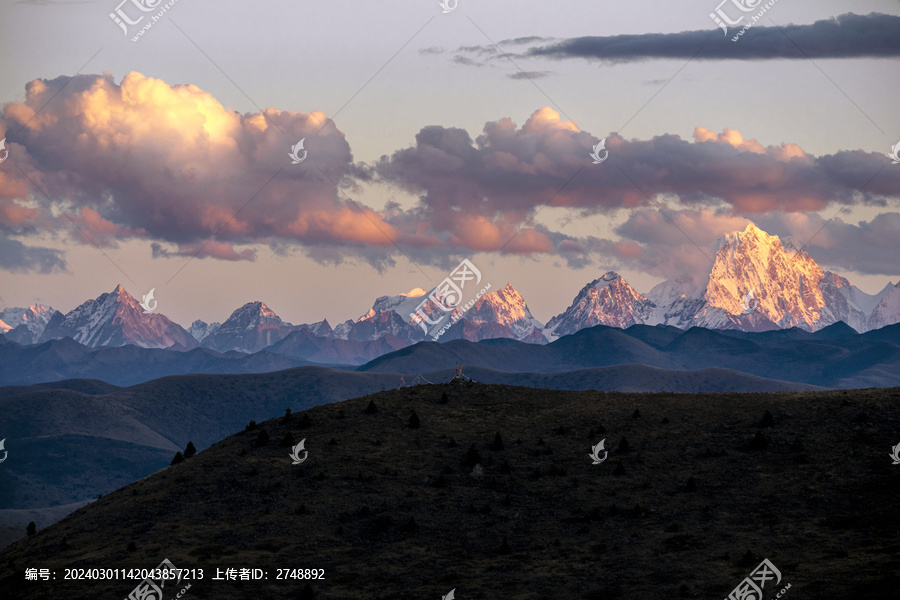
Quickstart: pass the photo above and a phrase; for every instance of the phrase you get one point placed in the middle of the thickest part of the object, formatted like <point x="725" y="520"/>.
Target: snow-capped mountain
<point x="784" y="288"/>
<point x="249" y="329"/>
<point x="502" y="313"/>
<point x="25" y="325"/>
<point x="887" y="312"/>
<point x="202" y="330"/>
<point x="389" y="315"/>
<point x="788" y="287"/>
<point x="756" y="283"/>
<point x="609" y="301"/>
<point x="116" y="319"/>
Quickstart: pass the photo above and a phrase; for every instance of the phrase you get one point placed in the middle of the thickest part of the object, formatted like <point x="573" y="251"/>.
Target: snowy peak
<point x="501" y="313"/>
<point x="117" y="319"/>
<point x="25" y="325"/>
<point x="786" y="286"/>
<point x="202" y="330"/>
<point x="402" y="304"/>
<point x="249" y="329"/>
<point x="250" y="315"/>
<point x="609" y="300"/>
<point x="887" y="312"/>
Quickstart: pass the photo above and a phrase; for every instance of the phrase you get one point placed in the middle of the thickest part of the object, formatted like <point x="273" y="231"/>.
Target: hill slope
<point x="389" y="511"/>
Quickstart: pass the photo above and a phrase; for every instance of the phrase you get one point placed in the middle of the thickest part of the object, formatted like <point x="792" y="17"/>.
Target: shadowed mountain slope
<point x="707" y="487"/>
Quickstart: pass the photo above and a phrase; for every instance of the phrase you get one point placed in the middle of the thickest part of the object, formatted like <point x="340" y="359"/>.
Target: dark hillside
<point x="696" y="491"/>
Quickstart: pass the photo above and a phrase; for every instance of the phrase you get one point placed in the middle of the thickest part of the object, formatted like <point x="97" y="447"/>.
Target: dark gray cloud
<point x="19" y="258"/>
<point x="529" y="75"/>
<point x="847" y="36"/>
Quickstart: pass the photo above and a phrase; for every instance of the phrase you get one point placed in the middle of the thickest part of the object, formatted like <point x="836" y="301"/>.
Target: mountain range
<point x="756" y="283"/>
<point x="594" y="358"/>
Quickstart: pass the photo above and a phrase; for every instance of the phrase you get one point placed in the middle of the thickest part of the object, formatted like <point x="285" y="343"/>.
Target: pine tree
<point x="414" y="420"/>
<point x="178" y="458"/>
<point x="31" y="529"/>
<point x="190" y="451"/>
<point x="473" y="457"/>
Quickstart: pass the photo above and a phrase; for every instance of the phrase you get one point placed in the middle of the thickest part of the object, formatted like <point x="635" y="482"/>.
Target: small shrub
<point x="758" y="443"/>
<point x="262" y="438"/>
<point x="623" y="445"/>
<point x="414" y="420"/>
<point x="371" y="409"/>
<point x="473" y="457"/>
<point x="306" y="422"/>
<point x="31" y="529"/>
<point x="250" y="426"/>
<point x="190" y="450"/>
<point x="497" y="444"/>
<point x="767" y="420"/>
<point x="178" y="458"/>
<point x="287" y="441"/>
<point x="636" y="414"/>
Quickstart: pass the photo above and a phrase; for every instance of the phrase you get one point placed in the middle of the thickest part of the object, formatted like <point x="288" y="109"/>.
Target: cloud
<point x="847" y="36"/>
<point x="19" y="258"/>
<point x="869" y="247"/>
<point x="168" y="163"/>
<point x="529" y="75"/>
<point x="508" y="173"/>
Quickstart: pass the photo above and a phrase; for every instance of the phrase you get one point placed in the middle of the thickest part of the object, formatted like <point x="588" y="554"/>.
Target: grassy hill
<point x="695" y="492"/>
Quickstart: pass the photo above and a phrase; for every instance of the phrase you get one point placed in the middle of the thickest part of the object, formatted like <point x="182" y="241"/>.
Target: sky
<point x="433" y="134"/>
